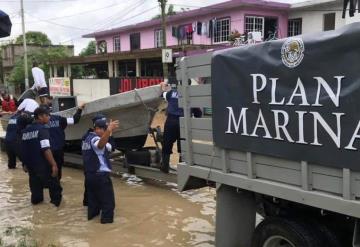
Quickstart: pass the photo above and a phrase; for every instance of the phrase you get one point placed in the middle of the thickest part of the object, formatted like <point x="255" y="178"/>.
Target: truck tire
<point x="280" y="232"/>
<point x="328" y="237"/>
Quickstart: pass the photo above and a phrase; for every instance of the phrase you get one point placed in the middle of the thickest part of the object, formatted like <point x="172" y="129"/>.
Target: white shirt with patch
<point x="39" y="78"/>
<point x="101" y="153"/>
<point x="28" y="105"/>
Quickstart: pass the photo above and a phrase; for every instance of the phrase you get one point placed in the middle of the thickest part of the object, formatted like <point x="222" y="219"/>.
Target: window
<point x="159" y="38"/>
<point x="254" y="24"/>
<point x="222" y="30"/>
<point x="294" y="27"/>
<point x="329" y="21"/>
<point x="135" y="41"/>
<point x="116" y="42"/>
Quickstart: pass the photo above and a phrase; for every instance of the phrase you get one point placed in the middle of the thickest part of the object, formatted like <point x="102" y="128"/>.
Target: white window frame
<point x="158" y="38"/>
<point x="253" y="27"/>
<point x="116" y="45"/>
<point x="223" y="37"/>
<point x="294" y="27"/>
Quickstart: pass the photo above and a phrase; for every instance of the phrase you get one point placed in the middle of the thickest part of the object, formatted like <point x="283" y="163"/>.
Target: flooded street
<point x="147" y="214"/>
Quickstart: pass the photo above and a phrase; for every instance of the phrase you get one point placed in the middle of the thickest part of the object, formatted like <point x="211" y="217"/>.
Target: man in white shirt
<point x="28" y="105"/>
<point x="39" y="83"/>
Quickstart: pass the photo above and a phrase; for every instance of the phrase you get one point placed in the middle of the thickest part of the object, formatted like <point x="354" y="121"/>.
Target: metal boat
<point x="134" y="110"/>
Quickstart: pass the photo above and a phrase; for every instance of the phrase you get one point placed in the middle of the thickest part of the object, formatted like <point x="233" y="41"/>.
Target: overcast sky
<point x="65" y="21"/>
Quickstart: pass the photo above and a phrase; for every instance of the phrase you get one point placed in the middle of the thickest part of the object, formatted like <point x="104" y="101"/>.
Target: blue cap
<point x="98" y="116"/>
<point x="100" y="123"/>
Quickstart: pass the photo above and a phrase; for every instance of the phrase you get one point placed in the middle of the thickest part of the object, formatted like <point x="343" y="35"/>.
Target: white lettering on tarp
<point x="308" y="127"/>
<point x="237" y="124"/>
<point x="255" y="88"/>
<point x="282" y="127"/>
<point x="260" y="123"/>
<point x="355" y="136"/>
<point x="335" y="137"/>
<point x="301" y="127"/>
<point x="30" y="135"/>
<point x="334" y="97"/>
<point x="273" y="93"/>
<point x="302" y="94"/>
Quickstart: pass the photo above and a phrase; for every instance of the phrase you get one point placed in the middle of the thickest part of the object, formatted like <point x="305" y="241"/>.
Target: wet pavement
<point x="148" y="213"/>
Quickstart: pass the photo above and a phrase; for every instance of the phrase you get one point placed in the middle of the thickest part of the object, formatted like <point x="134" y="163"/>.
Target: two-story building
<point x="319" y="15"/>
<point x="135" y="50"/>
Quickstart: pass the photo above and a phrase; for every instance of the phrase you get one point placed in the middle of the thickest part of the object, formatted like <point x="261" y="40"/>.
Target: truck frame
<point x="302" y="204"/>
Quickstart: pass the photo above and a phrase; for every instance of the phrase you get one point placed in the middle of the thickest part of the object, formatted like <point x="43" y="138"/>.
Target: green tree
<point x="169" y="12"/>
<point x="42" y="56"/>
<point x="34" y="38"/>
<point x="89" y="50"/>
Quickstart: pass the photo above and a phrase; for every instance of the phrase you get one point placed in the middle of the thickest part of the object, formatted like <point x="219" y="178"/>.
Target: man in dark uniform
<point x="172" y="125"/>
<point x="57" y="126"/>
<point x="38" y="158"/>
<point x="11" y="141"/>
<point x="95" y="152"/>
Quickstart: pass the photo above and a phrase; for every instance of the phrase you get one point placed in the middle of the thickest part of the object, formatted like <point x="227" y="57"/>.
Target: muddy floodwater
<point x="147" y="213"/>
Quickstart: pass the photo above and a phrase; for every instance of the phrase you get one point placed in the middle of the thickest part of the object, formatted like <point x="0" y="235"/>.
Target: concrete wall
<point x="313" y="18"/>
<point x="237" y="18"/>
<point x="88" y="90"/>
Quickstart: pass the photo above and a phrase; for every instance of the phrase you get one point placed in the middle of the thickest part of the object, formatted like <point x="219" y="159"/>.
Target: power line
<point x="60" y="25"/>
<point x="77" y="14"/>
<point x="127" y="11"/>
<point x="129" y="18"/>
<point x="115" y="21"/>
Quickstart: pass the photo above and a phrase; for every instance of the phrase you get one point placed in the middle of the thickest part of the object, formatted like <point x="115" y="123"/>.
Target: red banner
<point x="125" y="84"/>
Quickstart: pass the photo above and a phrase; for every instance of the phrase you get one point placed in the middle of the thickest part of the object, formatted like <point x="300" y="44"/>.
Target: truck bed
<point x="329" y="189"/>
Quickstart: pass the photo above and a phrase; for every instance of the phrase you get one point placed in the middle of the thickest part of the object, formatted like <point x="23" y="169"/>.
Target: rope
<point x="211" y="165"/>
<point x="142" y="102"/>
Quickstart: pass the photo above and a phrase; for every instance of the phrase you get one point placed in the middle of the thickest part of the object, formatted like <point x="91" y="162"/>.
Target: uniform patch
<point x="30" y="135"/>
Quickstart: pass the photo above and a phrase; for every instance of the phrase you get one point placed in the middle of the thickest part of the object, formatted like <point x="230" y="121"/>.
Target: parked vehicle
<point x="301" y="174"/>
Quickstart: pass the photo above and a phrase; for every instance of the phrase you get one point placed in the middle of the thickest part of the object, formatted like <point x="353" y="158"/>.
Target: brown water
<point x="147" y="214"/>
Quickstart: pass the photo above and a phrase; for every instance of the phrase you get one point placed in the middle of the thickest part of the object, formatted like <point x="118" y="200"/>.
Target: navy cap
<point x="100" y="123"/>
<point x="42" y="110"/>
<point x="98" y="116"/>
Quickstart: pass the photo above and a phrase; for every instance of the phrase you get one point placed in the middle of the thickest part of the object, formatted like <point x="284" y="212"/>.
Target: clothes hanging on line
<point x="181" y="32"/>
<point x="189" y="29"/>
<point x="174" y="31"/>
<point x="194" y="26"/>
<point x="204" y="28"/>
<point x="199" y="28"/>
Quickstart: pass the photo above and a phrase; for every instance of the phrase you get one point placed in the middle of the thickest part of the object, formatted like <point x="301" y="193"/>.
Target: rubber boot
<point x="164" y="167"/>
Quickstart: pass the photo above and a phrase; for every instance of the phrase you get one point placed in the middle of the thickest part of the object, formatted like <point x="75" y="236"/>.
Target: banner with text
<point x="124" y="84"/>
<point x="296" y="98"/>
<point x="60" y="86"/>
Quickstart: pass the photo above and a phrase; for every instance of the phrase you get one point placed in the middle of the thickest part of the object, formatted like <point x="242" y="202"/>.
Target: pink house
<point x="236" y="15"/>
<point x="134" y="51"/>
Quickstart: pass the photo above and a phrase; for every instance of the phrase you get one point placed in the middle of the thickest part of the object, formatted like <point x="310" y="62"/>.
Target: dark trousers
<point x="37" y="184"/>
<point x="85" y="199"/>
<point x="171" y="134"/>
<point x="100" y="194"/>
<point x="12" y="151"/>
<point x="59" y="159"/>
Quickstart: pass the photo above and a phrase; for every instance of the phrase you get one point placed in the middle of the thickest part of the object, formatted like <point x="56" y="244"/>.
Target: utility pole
<point x="25" y="47"/>
<point x="163" y="21"/>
